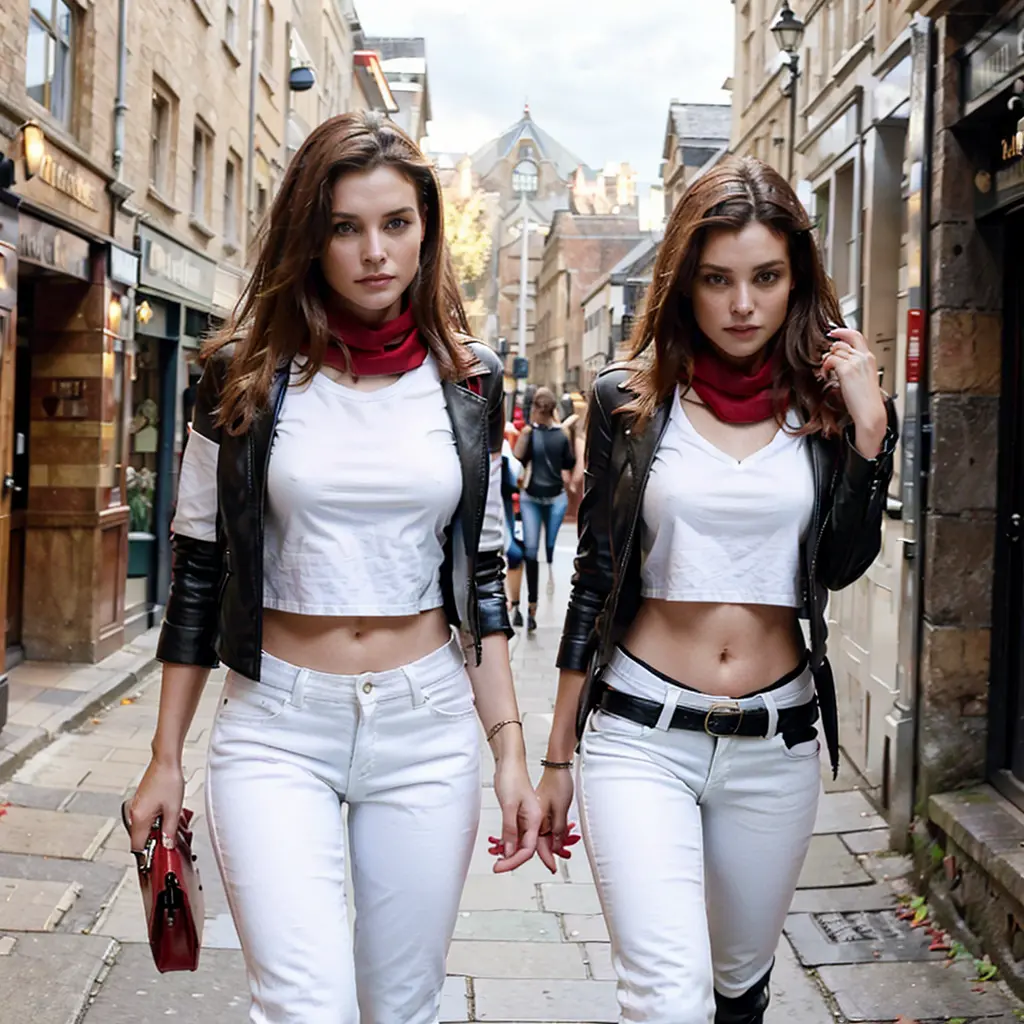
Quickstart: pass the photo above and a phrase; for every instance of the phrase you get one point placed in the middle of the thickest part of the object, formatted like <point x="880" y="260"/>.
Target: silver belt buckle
<point x="721" y="707"/>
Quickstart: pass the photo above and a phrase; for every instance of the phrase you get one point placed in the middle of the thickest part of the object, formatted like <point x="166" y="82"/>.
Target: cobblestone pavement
<point x="528" y="947"/>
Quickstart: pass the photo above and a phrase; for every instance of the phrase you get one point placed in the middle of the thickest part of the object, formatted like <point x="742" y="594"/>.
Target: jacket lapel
<point x="468" y="415"/>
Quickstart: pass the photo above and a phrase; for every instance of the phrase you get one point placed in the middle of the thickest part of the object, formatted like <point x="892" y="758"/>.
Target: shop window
<point x="202" y="163"/>
<point x="49" y="62"/>
<point x="161" y="134"/>
<point x="231" y="23"/>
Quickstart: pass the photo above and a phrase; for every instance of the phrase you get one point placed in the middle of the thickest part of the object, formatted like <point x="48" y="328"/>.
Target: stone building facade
<point x="127" y="203"/>
<point x="579" y="249"/>
<point x="696" y="135"/>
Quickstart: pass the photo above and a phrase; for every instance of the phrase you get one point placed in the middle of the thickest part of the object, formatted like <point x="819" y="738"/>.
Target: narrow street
<point x="528" y="947"/>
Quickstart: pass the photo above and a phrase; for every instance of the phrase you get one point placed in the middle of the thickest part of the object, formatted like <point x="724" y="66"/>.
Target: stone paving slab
<point x="40" y="715"/>
<point x="499" y="892"/>
<point x="829" y="863"/>
<point x="507" y="926"/>
<point x="517" y="960"/>
<point x="846" y="812"/>
<point x="592" y="1002"/>
<point x="585" y="928"/>
<point x="853" y="897"/>
<point x="918" y="991"/>
<point x="53" y="833"/>
<point x="136" y="993"/>
<point x="857" y="937"/>
<point x="875" y="840"/>
<point x="95" y="882"/>
<point x="46" y="978"/>
<point x="27" y="905"/>
<point x="578" y="898"/>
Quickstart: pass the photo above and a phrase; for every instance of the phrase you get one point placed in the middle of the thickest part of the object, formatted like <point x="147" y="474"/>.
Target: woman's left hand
<point x="520" y="816"/>
<point x="852" y="365"/>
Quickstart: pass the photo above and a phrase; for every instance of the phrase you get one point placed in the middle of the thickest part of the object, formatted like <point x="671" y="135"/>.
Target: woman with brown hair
<point x="339" y="515"/>
<point x="737" y="471"/>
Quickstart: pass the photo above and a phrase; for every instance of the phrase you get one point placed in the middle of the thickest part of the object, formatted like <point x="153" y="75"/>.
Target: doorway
<point x="16" y="490"/>
<point x="1006" y="704"/>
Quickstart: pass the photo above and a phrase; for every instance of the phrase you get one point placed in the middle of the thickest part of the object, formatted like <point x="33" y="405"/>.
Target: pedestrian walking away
<point x="545" y="451"/>
<point x="737" y="471"/>
<point x="338" y="548"/>
<point x="511" y="471"/>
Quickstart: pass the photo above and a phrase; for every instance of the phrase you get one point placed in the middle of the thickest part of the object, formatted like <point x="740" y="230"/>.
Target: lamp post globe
<point x="788" y="29"/>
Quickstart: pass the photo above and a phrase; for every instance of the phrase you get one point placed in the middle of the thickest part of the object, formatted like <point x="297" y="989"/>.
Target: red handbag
<point x="172" y="896"/>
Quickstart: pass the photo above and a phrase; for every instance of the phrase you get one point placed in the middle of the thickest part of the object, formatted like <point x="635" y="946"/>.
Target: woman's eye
<point x="343" y="228"/>
<point x="397" y="223"/>
<point x="768" y="277"/>
<point x="714" y="279"/>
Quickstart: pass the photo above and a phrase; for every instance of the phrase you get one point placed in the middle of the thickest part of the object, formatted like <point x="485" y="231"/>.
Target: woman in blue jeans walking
<point x="545" y="450"/>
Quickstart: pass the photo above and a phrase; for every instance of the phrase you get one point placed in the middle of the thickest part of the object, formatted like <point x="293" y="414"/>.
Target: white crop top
<point x="360" y="489"/>
<point x="722" y="531"/>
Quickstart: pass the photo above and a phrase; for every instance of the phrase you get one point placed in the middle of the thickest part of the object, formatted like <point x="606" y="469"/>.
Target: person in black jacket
<point x="544" y="449"/>
<point x="338" y="545"/>
<point x="737" y="471"/>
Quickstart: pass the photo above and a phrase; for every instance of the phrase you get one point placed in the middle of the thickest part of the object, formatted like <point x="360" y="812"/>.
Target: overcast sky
<point x="598" y="74"/>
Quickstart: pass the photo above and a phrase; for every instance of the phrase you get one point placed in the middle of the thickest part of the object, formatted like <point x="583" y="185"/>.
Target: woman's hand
<point x="161" y="794"/>
<point x="520" y="816"/>
<point x="554" y="793"/>
<point x="850" y="364"/>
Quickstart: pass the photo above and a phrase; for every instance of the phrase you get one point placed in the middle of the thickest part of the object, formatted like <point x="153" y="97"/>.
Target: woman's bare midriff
<point x="348" y="645"/>
<point x="727" y="650"/>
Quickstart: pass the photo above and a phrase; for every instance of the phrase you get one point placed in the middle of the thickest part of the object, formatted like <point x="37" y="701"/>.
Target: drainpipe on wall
<point x="902" y="721"/>
<point x="117" y="188"/>
<point x="254" y="78"/>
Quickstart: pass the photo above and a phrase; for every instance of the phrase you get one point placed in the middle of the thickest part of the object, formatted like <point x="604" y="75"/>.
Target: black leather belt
<point x="724" y="718"/>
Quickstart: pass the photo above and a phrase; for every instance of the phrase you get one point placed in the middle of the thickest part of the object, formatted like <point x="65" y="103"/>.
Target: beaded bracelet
<point x="501" y="725"/>
<point x="545" y="763"/>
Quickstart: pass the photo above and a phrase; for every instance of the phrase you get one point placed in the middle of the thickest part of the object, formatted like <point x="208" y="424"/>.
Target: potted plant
<point x="140" y="485"/>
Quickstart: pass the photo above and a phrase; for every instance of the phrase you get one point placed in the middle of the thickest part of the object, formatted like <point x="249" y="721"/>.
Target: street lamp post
<point x="788" y="30"/>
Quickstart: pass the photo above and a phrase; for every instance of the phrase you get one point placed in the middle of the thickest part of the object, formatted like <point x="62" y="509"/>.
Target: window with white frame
<point x="232" y="192"/>
<point x="202" y="159"/>
<point x="161" y="134"/>
<point x="49" y="58"/>
<point x="231" y="23"/>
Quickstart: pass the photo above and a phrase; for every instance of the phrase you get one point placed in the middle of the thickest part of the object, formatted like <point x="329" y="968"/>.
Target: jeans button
<point x="367" y="687"/>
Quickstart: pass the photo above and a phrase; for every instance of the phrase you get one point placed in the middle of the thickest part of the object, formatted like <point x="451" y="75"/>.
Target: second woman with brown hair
<point x="339" y="517"/>
<point x="736" y="472"/>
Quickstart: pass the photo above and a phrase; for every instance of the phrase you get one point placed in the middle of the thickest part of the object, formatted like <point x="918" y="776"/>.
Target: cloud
<point x="598" y="74"/>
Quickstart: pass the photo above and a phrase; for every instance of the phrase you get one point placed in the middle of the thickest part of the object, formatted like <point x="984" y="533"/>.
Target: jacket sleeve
<point x="189" y="631"/>
<point x="492" y="603"/>
<point x="592" y="580"/>
<point x="852" y="535"/>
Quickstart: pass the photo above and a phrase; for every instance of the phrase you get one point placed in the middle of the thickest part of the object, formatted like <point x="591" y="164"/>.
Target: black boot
<point x="745" y="1009"/>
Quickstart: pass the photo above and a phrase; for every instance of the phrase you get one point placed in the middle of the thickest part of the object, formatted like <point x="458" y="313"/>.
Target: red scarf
<point x="729" y="393"/>
<point x="374" y="352"/>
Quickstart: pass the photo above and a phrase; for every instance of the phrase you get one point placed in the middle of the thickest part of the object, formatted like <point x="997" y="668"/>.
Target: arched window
<point x="524" y="177"/>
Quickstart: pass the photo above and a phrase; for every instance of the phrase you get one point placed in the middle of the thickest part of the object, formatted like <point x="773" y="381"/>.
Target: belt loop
<point x="773" y="715"/>
<point x="298" y="697"/>
<point x="672" y="695"/>
<point x="415" y="690"/>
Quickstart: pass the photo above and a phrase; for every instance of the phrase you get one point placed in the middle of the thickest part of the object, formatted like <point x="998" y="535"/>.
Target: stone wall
<point x="964" y="367"/>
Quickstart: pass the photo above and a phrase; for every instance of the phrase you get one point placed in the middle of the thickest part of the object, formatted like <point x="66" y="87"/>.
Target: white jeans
<point x="401" y="749"/>
<point x="695" y="843"/>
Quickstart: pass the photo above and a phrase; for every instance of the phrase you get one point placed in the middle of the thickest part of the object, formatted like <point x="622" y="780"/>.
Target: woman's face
<point x="741" y="291"/>
<point x="373" y="251"/>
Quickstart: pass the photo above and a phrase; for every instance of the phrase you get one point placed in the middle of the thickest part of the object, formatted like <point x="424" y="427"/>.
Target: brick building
<point x="579" y="249"/>
<point x="137" y="175"/>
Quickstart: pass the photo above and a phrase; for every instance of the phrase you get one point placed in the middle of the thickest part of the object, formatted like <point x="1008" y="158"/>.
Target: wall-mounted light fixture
<point x="144" y="312"/>
<point x="30" y="145"/>
<point x="115" y="312"/>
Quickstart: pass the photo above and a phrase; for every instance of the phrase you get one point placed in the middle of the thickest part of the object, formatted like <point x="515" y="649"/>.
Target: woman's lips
<point x="743" y="331"/>
<point x="381" y="281"/>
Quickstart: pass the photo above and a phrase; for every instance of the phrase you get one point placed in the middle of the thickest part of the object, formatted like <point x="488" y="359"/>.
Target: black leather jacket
<point x="215" y="607"/>
<point x="843" y="540"/>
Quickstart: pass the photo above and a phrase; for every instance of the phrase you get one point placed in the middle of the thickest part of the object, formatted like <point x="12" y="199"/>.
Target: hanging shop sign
<point x="995" y="55"/>
<point x="48" y="246"/>
<point x="172" y="268"/>
<point x="124" y="266"/>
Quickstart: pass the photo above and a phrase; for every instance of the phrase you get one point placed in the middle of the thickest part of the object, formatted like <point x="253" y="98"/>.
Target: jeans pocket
<point x="451" y="697"/>
<point x="248" y="702"/>
<point x="607" y="724"/>
<point x="801" y="743"/>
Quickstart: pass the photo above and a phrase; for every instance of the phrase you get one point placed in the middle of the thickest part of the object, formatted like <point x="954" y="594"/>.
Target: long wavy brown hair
<point x="282" y="308"/>
<point x="733" y="194"/>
